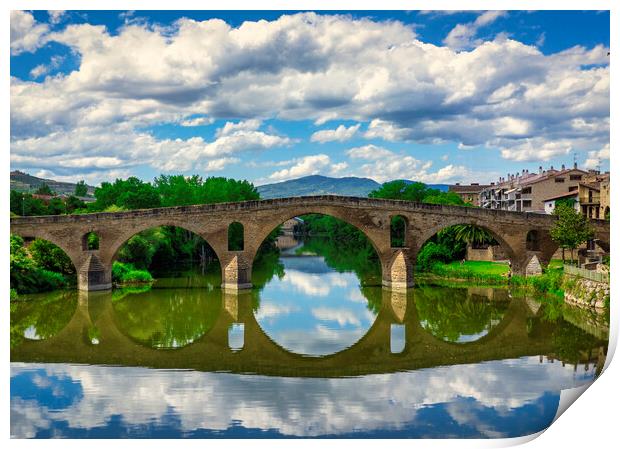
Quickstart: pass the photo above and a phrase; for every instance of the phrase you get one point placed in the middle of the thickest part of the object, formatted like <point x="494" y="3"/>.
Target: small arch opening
<point x="398" y="231"/>
<point x="397" y="338"/>
<point x="532" y="240"/>
<point x="235" y="236"/>
<point x="606" y="213"/>
<point x="90" y="241"/>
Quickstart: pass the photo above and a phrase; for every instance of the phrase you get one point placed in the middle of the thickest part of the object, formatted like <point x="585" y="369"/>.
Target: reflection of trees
<point x="47" y="314"/>
<point x="167" y="318"/>
<point x="569" y="342"/>
<point x="450" y="313"/>
<point x="356" y="256"/>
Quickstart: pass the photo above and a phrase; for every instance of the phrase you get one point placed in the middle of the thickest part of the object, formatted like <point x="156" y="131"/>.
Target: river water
<point x="316" y="349"/>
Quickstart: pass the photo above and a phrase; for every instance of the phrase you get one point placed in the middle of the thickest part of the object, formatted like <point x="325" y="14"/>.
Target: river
<point x="317" y="348"/>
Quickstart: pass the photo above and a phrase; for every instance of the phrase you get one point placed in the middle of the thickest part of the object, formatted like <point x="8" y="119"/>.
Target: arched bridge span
<point x="259" y="218"/>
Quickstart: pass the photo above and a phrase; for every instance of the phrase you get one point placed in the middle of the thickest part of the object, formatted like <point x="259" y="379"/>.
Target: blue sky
<point x="268" y="96"/>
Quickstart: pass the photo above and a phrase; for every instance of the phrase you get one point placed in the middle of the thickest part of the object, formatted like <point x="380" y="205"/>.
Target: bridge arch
<point x="111" y="253"/>
<point x="511" y="245"/>
<point x="376" y="233"/>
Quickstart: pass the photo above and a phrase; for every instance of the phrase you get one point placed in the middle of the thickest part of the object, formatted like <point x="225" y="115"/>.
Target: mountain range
<point x="324" y="185"/>
<point x="305" y="186"/>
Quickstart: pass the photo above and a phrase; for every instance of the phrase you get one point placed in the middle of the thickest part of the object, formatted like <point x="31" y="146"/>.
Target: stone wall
<point x="585" y="293"/>
<point x="488" y="254"/>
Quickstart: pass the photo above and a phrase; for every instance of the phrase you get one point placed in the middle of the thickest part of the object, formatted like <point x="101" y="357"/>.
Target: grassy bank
<point x="496" y="273"/>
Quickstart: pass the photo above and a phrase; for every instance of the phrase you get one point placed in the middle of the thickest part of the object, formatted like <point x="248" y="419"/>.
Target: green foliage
<point x="235" y="237"/>
<point x="44" y="189"/>
<point x="430" y="254"/>
<point x="81" y="189"/>
<point x="571" y="229"/>
<point x="451" y="313"/>
<point x="398" y="228"/>
<point x="473" y="235"/>
<point x="50" y="257"/>
<point x="13" y="295"/>
<point x="45" y="315"/>
<point x="130" y="193"/>
<point x="126" y="273"/>
<point x="73" y="203"/>
<point x="92" y="241"/>
<point x="415" y="191"/>
<point x="158" y="319"/>
<point x="26" y="275"/>
<point x="178" y="190"/>
<point x="25" y="204"/>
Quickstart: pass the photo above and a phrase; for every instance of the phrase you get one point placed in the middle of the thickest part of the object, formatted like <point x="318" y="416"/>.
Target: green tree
<point x="44" y="189"/>
<point x="73" y="203"/>
<point x="50" y="257"/>
<point x="473" y="235"/>
<point x="416" y="191"/>
<point x="571" y="228"/>
<point x="81" y="189"/>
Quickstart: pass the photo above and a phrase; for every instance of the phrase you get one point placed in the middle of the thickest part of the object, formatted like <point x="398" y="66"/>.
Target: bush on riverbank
<point x="27" y="276"/>
<point x="126" y="273"/>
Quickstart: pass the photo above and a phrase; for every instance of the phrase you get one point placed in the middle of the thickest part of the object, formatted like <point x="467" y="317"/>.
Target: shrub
<point x="13" y="294"/>
<point x="432" y="253"/>
<point x="123" y="273"/>
<point x="137" y="276"/>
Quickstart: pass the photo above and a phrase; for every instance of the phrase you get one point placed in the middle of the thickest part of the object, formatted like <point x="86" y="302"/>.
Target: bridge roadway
<point x="211" y="352"/>
<point x="259" y="218"/>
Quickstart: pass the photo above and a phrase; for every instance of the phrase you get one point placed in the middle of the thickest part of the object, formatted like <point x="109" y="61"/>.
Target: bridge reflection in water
<point x="398" y="340"/>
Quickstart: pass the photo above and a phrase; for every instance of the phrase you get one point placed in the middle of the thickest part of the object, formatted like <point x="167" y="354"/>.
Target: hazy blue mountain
<point x="324" y="185"/>
<point x="319" y="185"/>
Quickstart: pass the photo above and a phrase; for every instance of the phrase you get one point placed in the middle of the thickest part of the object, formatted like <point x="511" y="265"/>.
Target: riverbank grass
<point x="488" y="272"/>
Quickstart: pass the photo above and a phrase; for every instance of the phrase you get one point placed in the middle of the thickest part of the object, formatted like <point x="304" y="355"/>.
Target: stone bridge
<point x="520" y="333"/>
<point x="522" y="235"/>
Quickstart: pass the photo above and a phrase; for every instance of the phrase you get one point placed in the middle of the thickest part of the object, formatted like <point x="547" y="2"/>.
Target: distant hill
<point x="324" y="185"/>
<point x="306" y="186"/>
<point x="23" y="182"/>
<point x="319" y="185"/>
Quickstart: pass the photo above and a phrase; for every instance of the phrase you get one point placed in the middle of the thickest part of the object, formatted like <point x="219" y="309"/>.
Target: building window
<point x="526" y="190"/>
<point x="527" y="203"/>
<point x="575" y="177"/>
<point x="573" y="188"/>
<point x="559" y="179"/>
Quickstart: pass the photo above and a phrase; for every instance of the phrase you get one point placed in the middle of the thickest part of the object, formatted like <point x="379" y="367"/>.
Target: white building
<point x="550" y="202"/>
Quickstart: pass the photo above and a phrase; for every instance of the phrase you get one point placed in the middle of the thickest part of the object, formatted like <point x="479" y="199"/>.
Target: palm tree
<point x="472" y="234"/>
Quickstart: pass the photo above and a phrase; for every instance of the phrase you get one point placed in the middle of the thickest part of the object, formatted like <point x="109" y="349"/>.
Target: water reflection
<point x="460" y="315"/>
<point x="475" y="400"/>
<point x="41" y="316"/>
<point x="169" y="318"/>
<point x="313" y="309"/>
<point x="96" y="364"/>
